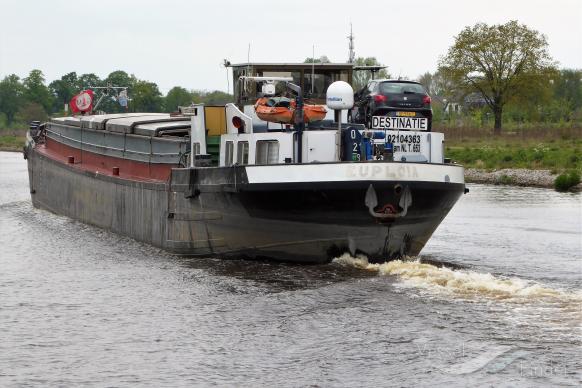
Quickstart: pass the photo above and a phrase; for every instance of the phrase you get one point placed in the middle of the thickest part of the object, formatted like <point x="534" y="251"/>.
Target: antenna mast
<point x="352" y="53"/>
<point x="313" y="69"/>
<point x="249" y="60"/>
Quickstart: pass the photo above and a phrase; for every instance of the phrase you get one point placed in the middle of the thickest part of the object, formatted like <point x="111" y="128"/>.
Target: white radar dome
<point x="340" y="95"/>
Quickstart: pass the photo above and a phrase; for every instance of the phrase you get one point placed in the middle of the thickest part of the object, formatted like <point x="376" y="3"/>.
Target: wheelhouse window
<point x="228" y="153"/>
<point x="244" y="91"/>
<point x="280" y="87"/>
<point x="315" y="84"/>
<point x="242" y="152"/>
<point x="313" y="79"/>
<point x="267" y="152"/>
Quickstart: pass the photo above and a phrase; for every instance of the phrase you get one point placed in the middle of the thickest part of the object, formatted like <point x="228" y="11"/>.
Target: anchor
<point x="371" y="202"/>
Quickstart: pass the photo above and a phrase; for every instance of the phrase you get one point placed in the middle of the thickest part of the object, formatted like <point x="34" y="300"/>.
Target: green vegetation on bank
<point x="556" y="149"/>
<point x="12" y="140"/>
<point x="567" y="180"/>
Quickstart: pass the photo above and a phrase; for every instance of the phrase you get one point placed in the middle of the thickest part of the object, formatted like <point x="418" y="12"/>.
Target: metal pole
<point x="299" y="126"/>
<point x="299" y="123"/>
<point x="312" y="70"/>
<point x="338" y="136"/>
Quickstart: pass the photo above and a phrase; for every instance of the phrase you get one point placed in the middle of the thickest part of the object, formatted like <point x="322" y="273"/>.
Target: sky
<point x="183" y="43"/>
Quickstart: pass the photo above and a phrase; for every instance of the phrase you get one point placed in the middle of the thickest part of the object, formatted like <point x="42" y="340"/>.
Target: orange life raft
<point x="281" y="110"/>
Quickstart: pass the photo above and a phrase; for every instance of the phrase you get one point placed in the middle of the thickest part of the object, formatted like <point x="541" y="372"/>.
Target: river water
<point x="80" y="306"/>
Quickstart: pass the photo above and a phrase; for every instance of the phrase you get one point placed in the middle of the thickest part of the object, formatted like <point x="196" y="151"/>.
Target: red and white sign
<point x="82" y="102"/>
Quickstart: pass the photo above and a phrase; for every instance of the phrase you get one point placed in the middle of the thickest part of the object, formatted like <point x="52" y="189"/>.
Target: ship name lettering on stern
<point x="376" y="171"/>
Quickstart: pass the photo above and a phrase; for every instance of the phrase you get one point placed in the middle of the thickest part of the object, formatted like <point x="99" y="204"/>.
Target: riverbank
<point x="557" y="150"/>
<point x="515" y="177"/>
<point x="527" y="157"/>
<point x="12" y="139"/>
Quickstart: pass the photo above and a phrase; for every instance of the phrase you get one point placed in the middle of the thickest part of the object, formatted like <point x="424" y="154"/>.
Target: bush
<point x="31" y="111"/>
<point x="505" y="180"/>
<point x="567" y="180"/>
<point x="537" y="155"/>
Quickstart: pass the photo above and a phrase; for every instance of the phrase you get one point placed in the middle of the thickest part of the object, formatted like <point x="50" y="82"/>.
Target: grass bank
<point x="535" y="149"/>
<point x="12" y="139"/>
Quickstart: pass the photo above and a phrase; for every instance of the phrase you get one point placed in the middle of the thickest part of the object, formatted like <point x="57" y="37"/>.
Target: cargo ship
<point x="219" y="181"/>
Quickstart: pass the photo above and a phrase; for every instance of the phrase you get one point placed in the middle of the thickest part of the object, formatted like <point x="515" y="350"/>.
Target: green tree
<point x="146" y="97"/>
<point x="498" y="61"/>
<point x="441" y="88"/>
<point x="568" y="87"/>
<point x="177" y="96"/>
<point x="120" y="78"/>
<point x="11" y="96"/>
<point x="64" y="89"/>
<point x="36" y="91"/>
<point x="31" y="111"/>
<point x="117" y="78"/>
<point x="360" y="78"/>
<point x="216" y="98"/>
<point x="87" y="80"/>
<point x="321" y="59"/>
<point x="534" y="97"/>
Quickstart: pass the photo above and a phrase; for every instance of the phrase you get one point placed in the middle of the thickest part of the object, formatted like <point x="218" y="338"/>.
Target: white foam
<point x="462" y="282"/>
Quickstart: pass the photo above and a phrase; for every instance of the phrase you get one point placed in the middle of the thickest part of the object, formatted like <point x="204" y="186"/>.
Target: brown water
<point x="83" y="307"/>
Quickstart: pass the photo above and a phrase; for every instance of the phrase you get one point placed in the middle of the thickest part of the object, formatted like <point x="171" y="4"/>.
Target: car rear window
<point x="400" y="88"/>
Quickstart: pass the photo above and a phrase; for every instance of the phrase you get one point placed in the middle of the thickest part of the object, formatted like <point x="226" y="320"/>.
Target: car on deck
<point x="392" y="104"/>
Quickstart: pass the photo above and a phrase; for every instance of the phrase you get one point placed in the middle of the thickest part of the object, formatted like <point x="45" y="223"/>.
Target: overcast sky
<point x="183" y="43"/>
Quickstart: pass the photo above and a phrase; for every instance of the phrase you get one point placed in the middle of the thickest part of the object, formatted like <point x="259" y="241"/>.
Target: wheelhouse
<point x="314" y="78"/>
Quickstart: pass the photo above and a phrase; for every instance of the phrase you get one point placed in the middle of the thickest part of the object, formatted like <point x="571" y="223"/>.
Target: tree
<point x="568" y="87"/>
<point x="497" y="61"/>
<point x="31" y="111"/>
<point x="216" y="98"/>
<point x="360" y="78"/>
<point x="321" y="59"/>
<point x="120" y="78"/>
<point x="117" y="78"/>
<point x="559" y="98"/>
<point x="441" y="88"/>
<point x="146" y="97"/>
<point x="64" y="89"/>
<point x="177" y="96"/>
<point x="11" y="96"/>
<point x="87" y="80"/>
<point x="36" y="91"/>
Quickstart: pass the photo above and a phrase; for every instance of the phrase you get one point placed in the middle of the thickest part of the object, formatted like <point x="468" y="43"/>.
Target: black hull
<point x="322" y="222"/>
<point x="217" y="212"/>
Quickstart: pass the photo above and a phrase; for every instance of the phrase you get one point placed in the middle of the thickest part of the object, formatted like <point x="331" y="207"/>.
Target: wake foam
<point x="460" y="281"/>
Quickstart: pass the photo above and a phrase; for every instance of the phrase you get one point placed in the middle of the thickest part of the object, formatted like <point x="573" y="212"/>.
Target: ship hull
<point x="251" y="212"/>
